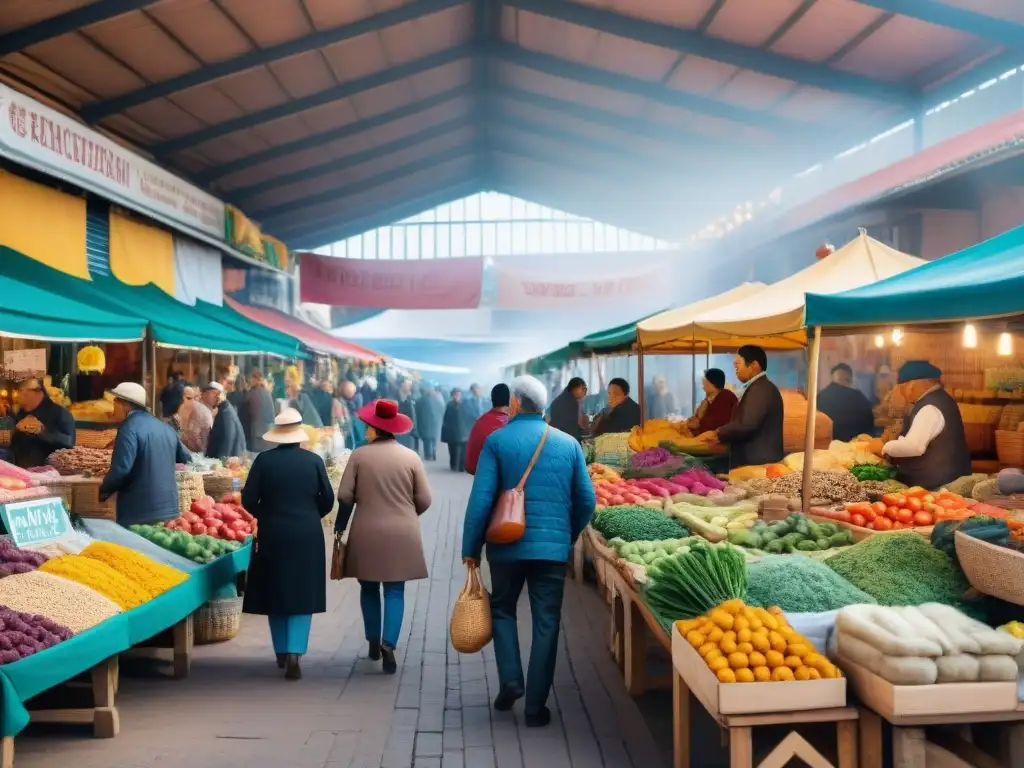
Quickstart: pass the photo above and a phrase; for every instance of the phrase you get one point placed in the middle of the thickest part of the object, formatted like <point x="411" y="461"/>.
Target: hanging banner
<point x="391" y="284"/>
<point x="38" y="136"/>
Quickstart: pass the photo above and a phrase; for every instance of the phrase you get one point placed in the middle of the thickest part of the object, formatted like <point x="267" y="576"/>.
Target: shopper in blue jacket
<point x="559" y="504"/>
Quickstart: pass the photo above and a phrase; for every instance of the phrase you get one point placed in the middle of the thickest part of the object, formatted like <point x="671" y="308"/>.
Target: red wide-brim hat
<point x="384" y="415"/>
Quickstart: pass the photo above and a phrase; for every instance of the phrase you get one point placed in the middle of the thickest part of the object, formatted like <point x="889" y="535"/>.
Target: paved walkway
<point x="236" y="710"/>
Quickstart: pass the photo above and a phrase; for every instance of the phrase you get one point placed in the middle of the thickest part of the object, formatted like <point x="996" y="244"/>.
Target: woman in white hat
<point x="288" y="492"/>
<point x="142" y="466"/>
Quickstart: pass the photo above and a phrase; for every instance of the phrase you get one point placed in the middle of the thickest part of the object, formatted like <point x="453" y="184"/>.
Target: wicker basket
<point x="190" y="488"/>
<point x="1010" y="448"/>
<point x="471" y="627"/>
<point x="95" y="438"/>
<point x="65" y="490"/>
<point x="991" y="569"/>
<point x="218" y="621"/>
<point x="217" y="485"/>
<point x="85" y="501"/>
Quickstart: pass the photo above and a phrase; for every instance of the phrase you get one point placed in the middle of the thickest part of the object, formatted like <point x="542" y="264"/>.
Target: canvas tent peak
<point x="674" y="331"/>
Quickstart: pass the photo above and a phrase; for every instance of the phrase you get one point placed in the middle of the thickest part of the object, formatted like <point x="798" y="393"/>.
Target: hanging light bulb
<point x="880" y="341"/>
<point x="1005" y="348"/>
<point x="970" y="337"/>
<point x="897" y="336"/>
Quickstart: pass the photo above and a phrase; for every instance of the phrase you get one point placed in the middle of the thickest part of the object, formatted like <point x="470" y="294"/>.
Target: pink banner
<point x="521" y="290"/>
<point x="385" y="284"/>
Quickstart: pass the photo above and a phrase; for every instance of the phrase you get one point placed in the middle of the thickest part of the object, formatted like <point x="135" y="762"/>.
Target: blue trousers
<point x="387" y="626"/>
<point x="545" y="584"/>
<point x="290" y="633"/>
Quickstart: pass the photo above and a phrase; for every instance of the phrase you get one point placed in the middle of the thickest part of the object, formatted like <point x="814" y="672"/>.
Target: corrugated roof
<point x="316" y="117"/>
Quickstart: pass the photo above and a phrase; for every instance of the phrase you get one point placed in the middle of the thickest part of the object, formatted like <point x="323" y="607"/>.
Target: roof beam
<point x="950" y="16"/>
<point x="685" y="41"/>
<point x="55" y="26"/>
<point x="391" y="215"/>
<point x="350" y="161"/>
<point x="295" y="106"/>
<point x="344" y="131"/>
<point x="582" y="73"/>
<point x="262" y="56"/>
<point x="277" y="211"/>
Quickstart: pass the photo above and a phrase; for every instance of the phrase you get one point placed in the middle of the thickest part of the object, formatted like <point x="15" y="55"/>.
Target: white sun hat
<point x="287" y="428"/>
<point x="130" y="392"/>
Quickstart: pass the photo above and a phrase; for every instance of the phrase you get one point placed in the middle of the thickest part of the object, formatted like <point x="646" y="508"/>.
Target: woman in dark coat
<point x="288" y="493"/>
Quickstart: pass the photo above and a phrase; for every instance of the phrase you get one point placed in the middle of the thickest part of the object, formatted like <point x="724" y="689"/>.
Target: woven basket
<point x="471" y="627"/>
<point x="190" y="488"/>
<point x="65" y="490"/>
<point x="95" y="438"/>
<point x="217" y="485"/>
<point x="991" y="569"/>
<point x="1010" y="448"/>
<point x="218" y="621"/>
<point x="85" y="501"/>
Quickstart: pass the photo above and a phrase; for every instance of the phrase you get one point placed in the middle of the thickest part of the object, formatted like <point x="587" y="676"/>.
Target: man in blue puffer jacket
<point x="559" y="504"/>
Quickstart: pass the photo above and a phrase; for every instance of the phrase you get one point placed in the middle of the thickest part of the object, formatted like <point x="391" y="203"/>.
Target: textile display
<point x="197" y="272"/>
<point x="141" y="254"/>
<point x="44" y="224"/>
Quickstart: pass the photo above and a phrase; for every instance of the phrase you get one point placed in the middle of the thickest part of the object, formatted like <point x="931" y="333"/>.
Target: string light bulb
<point x="897" y="336"/>
<point x="880" y="341"/>
<point x="970" y="337"/>
<point x="1005" y="348"/>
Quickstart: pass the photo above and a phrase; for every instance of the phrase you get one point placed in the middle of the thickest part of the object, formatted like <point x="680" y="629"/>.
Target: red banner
<point x="385" y="284"/>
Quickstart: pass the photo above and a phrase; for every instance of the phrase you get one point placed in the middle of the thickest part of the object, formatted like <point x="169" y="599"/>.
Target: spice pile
<point x="65" y="602"/>
<point x="152" y="576"/>
<point x="99" y="577"/>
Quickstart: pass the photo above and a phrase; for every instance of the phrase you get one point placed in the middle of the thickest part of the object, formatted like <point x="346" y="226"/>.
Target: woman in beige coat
<point x="387" y="485"/>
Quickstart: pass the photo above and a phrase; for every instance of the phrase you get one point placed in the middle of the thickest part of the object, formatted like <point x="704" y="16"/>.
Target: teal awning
<point x="33" y="309"/>
<point x="983" y="281"/>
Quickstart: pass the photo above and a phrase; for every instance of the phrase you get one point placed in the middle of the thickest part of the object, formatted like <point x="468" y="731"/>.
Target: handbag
<point x="508" y="520"/>
<point x="471" y="627"/>
<point x="338" y="558"/>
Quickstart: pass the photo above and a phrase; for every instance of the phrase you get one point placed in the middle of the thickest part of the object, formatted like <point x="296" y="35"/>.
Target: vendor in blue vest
<point x="932" y="450"/>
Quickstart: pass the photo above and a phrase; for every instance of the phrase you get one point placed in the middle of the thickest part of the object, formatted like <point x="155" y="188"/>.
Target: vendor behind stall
<point x="42" y="427"/>
<point x="932" y="450"/>
<point x="717" y="407"/>
<point x="142" y="467"/>
<point x="227" y="437"/>
<point x="754" y="434"/>
<point x="848" y="407"/>
<point x="622" y="413"/>
<point x="566" y="410"/>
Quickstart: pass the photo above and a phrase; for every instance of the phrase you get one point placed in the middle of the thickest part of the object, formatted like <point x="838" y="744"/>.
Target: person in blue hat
<point x="932" y="449"/>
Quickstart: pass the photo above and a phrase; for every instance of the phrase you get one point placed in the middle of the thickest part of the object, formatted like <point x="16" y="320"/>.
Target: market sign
<point x="43" y="138"/>
<point x="35" y="521"/>
<point x="531" y="290"/>
<point x="21" y="364"/>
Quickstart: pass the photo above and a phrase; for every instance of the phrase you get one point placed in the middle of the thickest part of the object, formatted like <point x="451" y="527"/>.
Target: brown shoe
<point x="292" y="670"/>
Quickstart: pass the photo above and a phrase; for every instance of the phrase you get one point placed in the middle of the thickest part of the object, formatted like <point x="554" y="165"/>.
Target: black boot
<point x="374" y="652"/>
<point x="280" y="660"/>
<point x="538" y="719"/>
<point x="508" y="696"/>
<point x="390" y="665"/>
<point x="292" y="670"/>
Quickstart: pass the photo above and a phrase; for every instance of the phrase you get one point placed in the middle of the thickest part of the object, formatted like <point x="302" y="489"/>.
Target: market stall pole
<point x="812" y="414"/>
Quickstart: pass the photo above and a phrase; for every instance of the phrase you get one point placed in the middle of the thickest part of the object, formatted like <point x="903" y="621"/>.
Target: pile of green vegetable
<point x="631" y="522"/>
<point x="800" y="585"/>
<point x="989" y="529"/>
<point x="796" y="533"/>
<point x="198" y="549"/>
<point x="690" y="584"/>
<point x="647" y="553"/>
<point x="714" y="523"/>
<point x="873" y="472"/>
<point x="901" y="569"/>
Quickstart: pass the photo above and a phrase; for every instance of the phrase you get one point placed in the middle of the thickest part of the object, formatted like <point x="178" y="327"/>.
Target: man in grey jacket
<point x="227" y="438"/>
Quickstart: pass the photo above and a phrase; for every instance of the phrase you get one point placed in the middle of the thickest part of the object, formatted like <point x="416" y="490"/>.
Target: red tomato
<point x="198" y="529"/>
<point x="878" y="507"/>
<point x="869" y="514"/>
<point x="892" y="499"/>
<point x="913" y="504"/>
<point x="898" y="526"/>
<point x="857" y="506"/>
<point x="882" y="524"/>
<point x="923" y="519"/>
<point x="859" y="520"/>
<point x="917" y="492"/>
<point x="843" y="515"/>
<point x="905" y="516"/>
<point x="928" y="498"/>
<point x="893" y="513"/>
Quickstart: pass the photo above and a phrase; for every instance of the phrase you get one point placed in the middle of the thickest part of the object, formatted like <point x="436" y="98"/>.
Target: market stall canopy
<point x="674" y="330"/>
<point x="32" y="310"/>
<point x="983" y="281"/>
<point x="774" y="317"/>
<point x="308" y="335"/>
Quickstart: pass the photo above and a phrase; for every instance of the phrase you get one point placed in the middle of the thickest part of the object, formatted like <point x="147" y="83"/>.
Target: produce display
<point x="758" y="472"/>
<point x="691" y="583"/>
<point x="925" y="644"/>
<point x="152" y="576"/>
<point x="834" y="485"/>
<point x="901" y="569"/>
<point x="912" y="508"/>
<point x="714" y="523"/>
<point x="198" y="549"/>
<point x="97" y="576"/>
<point x="645" y="553"/>
<point x="795" y="533"/>
<point x="618" y="492"/>
<point x="81" y="461"/>
<point x="16" y="560"/>
<point x="600" y="473"/>
<point x="838" y="455"/>
<point x="68" y="603"/>
<point x="651" y="457"/>
<point x="220" y="520"/>
<point x="872" y="472"/>
<point x="636" y="523"/>
<point x="965" y="485"/>
<point x="800" y="585"/>
<point x="22" y="634"/>
<point x="741" y="644"/>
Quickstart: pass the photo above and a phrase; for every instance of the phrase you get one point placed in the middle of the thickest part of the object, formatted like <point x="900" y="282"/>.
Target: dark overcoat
<point x="754" y="434"/>
<point x="288" y="493"/>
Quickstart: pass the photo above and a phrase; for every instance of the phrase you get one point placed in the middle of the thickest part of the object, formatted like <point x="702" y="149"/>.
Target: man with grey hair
<point x="559" y="499"/>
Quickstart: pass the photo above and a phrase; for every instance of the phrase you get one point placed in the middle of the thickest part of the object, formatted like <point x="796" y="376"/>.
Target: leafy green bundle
<point x="692" y="583"/>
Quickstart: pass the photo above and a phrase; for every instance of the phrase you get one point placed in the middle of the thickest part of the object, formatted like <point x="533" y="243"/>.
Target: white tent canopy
<point x="676" y="326"/>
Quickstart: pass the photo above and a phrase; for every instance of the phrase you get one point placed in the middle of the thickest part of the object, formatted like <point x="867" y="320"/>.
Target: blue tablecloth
<point x="34" y="674"/>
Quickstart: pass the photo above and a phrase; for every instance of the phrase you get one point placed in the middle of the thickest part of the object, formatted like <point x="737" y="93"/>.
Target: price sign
<point x="36" y="521"/>
<point x="22" y="363"/>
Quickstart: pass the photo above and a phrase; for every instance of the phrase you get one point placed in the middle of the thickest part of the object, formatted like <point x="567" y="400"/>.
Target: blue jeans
<point x="290" y="633"/>
<point x="394" y="610"/>
<point x="545" y="584"/>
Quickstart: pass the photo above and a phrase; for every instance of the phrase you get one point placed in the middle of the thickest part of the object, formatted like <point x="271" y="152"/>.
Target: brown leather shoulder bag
<point x="508" y="521"/>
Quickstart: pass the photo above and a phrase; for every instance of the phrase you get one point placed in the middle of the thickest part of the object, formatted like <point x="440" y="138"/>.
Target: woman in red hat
<point x="386" y="484"/>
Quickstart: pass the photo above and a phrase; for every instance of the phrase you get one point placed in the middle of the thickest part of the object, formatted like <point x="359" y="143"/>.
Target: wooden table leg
<point x="106" y="722"/>
<point x="7" y="752"/>
<point x="577" y="561"/>
<point x="1013" y="744"/>
<point x="617" y="630"/>
<point x="908" y="748"/>
<point x="680" y="721"/>
<point x="741" y="747"/>
<point x="183" y="643"/>
<point x="635" y="671"/>
<point x="870" y="730"/>
<point x="846" y="741"/>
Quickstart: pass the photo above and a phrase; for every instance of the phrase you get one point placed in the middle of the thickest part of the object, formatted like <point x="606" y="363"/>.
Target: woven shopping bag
<point x="471" y="617"/>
